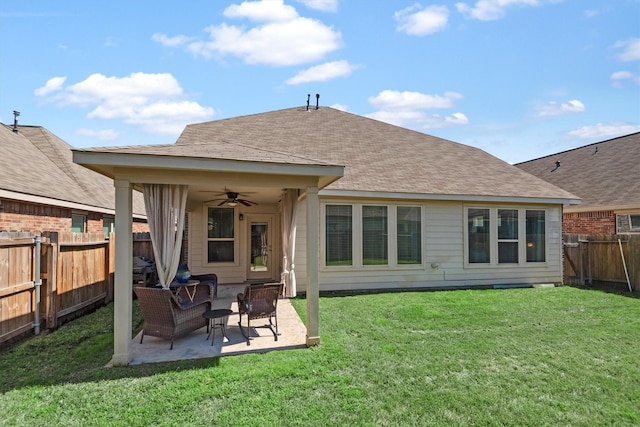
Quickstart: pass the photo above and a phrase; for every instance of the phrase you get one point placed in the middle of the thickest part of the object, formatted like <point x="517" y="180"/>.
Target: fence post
<point x="52" y="278"/>
<point x="38" y="282"/>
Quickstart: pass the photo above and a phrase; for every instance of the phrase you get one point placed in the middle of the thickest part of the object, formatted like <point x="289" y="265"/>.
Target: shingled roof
<point x="38" y="163"/>
<point x="605" y="175"/>
<point x="378" y="157"/>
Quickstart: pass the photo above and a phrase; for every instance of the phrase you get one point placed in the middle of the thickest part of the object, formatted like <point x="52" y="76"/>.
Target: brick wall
<point x="601" y="223"/>
<point x="17" y="216"/>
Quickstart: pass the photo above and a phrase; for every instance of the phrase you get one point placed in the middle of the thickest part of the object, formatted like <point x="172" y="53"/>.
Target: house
<point x="605" y="175"/>
<point x="41" y="189"/>
<point x="326" y="200"/>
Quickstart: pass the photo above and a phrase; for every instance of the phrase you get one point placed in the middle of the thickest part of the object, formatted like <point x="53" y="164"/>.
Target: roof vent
<point x="557" y="165"/>
<point x="16" y="114"/>
<point x="317" y="100"/>
<point x="308" y="97"/>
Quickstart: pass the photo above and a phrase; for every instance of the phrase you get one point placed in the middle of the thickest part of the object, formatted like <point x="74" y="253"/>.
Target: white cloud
<point x="323" y="5"/>
<point x="603" y="131"/>
<point x="419" y="21"/>
<point x="630" y="49"/>
<point x="281" y="36"/>
<point x="102" y="134"/>
<point x="53" y="84"/>
<point x="165" y="40"/>
<point x="406" y="109"/>
<point x="323" y="72"/>
<point x="155" y="102"/>
<point x="555" y="109"/>
<point x="619" y="77"/>
<point x="341" y="107"/>
<point x="262" y="11"/>
<point x="395" y="100"/>
<point x="419" y="120"/>
<point x="489" y="10"/>
<point x="295" y="42"/>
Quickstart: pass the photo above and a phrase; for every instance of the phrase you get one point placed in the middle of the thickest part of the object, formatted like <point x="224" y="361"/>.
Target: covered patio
<point x="195" y="173"/>
<point x="196" y="345"/>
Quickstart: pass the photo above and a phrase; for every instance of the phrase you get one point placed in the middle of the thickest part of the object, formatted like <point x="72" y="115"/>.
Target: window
<point x="478" y="232"/>
<point x="507" y="236"/>
<point x="220" y="235"/>
<point x="339" y="235"/>
<point x="108" y="226"/>
<point x="374" y="235"/>
<point x="536" y="236"/>
<point x="409" y="234"/>
<point x="634" y="221"/>
<point x="78" y="223"/>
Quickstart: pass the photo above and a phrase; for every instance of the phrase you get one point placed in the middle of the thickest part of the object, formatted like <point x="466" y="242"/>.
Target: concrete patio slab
<point x="196" y="345"/>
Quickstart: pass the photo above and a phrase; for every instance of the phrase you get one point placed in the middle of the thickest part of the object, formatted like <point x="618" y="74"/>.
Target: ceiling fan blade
<point x="222" y="203"/>
<point x="246" y="202"/>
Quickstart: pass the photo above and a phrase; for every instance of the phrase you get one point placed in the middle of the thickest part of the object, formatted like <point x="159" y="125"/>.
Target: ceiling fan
<point x="232" y="199"/>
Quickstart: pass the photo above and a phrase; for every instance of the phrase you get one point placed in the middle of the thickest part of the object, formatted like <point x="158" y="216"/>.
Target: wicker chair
<point x="259" y="302"/>
<point x="167" y="316"/>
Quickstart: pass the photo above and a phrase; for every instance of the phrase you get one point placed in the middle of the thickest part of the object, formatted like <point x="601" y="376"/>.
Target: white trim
<point x="101" y="161"/>
<point x="493" y="236"/>
<point x="601" y="208"/>
<point x="446" y="197"/>
<point x="236" y="238"/>
<point x="356" y="237"/>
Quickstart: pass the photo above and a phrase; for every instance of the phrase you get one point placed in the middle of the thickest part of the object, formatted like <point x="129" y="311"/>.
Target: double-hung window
<point x="78" y="223"/>
<point x="409" y="235"/>
<point x="220" y="235"/>
<point x="634" y="222"/>
<point x="339" y="235"/>
<point x="505" y="235"/>
<point x="375" y="235"/>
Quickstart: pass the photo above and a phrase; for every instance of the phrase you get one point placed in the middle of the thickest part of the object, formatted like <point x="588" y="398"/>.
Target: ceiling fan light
<point x="232" y="204"/>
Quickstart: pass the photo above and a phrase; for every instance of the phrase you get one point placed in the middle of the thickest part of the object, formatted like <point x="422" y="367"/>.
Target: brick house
<point x="606" y="176"/>
<point x="41" y="189"/>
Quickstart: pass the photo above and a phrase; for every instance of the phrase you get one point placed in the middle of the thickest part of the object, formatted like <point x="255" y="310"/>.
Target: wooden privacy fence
<point x="46" y="279"/>
<point x="613" y="259"/>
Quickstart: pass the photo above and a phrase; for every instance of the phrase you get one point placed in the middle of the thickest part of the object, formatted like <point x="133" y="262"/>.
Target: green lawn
<point x="533" y="357"/>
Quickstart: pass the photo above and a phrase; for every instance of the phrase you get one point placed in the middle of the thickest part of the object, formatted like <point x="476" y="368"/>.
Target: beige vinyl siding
<point x="443" y="254"/>
<point x="236" y="272"/>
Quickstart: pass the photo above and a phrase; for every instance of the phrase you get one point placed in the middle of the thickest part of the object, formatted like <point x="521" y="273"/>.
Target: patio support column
<point x="122" y="316"/>
<point x="313" y="247"/>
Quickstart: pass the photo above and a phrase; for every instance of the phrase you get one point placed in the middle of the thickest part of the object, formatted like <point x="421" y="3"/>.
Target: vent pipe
<point x="317" y="100"/>
<point x="308" y="97"/>
<point x="16" y="114"/>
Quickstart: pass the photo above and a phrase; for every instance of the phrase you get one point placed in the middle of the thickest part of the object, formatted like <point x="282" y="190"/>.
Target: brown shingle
<point x="605" y="174"/>
<point x="38" y="163"/>
<point x="378" y="156"/>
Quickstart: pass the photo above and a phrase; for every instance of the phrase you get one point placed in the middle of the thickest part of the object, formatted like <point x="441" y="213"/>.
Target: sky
<point x="520" y="79"/>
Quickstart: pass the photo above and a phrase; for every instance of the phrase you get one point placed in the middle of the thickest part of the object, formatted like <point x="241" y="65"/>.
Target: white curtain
<point x="289" y="207"/>
<point x="165" y="207"/>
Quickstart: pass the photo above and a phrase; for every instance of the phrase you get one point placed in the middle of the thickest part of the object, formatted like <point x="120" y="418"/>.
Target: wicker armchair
<point x="259" y="302"/>
<point x="166" y="316"/>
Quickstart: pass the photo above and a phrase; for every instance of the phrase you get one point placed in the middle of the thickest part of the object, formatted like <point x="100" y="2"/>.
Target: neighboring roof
<point x="378" y="157"/>
<point x="605" y="175"/>
<point x="38" y="166"/>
